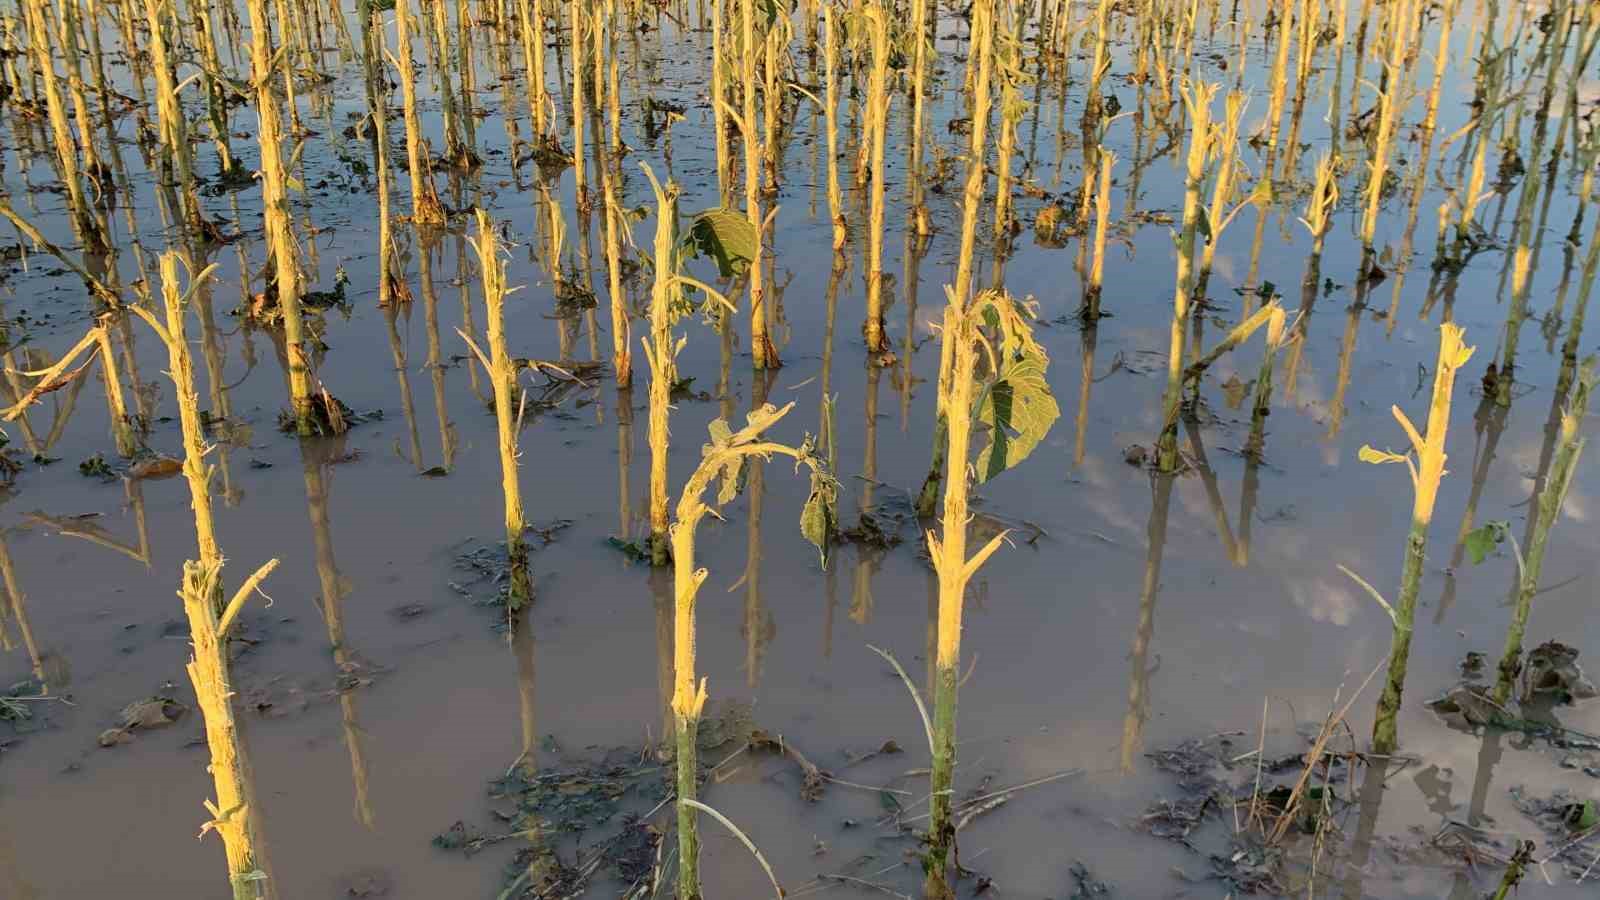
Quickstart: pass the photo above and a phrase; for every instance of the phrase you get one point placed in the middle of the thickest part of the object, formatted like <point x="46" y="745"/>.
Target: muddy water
<point x="378" y="701"/>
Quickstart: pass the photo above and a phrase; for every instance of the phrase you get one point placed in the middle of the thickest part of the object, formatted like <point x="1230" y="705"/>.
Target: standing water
<point x="468" y="312"/>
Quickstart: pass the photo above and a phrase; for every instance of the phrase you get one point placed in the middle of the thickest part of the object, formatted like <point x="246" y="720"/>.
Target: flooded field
<point x="581" y="366"/>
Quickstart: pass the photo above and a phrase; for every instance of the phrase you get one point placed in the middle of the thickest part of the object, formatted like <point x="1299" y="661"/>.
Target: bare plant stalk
<point x="1012" y="107"/>
<point x="722" y="458"/>
<point x="1306" y="32"/>
<point x="174" y="126"/>
<point x="378" y="115"/>
<point x="122" y="430"/>
<point x="216" y="95"/>
<point x="72" y="56"/>
<point x="275" y="209"/>
<point x="1335" y="101"/>
<point x="1197" y="97"/>
<point x="763" y="353"/>
<point x="1227" y="149"/>
<point x="425" y="208"/>
<point x="1531" y="561"/>
<point x="972" y="200"/>
<point x="1526" y="253"/>
<point x="950" y="562"/>
<point x="965" y="327"/>
<point x="455" y="151"/>
<point x="284" y="61"/>
<point x="1262" y="405"/>
<point x="1102" y="220"/>
<point x="1390" y="105"/>
<point x="503" y="375"/>
<point x="88" y="226"/>
<point x="877" y="126"/>
<point x="841" y="231"/>
<point x="719" y="100"/>
<point x="469" y="85"/>
<point x="620" y="339"/>
<point x="1426" y="473"/>
<point x="1280" y="78"/>
<point x="661" y="354"/>
<point x="580" y="185"/>
<point x="532" y="28"/>
<point x="210" y="619"/>
<point x="919" y="67"/>
<point x="776" y="39"/>
<point x="1094" y="108"/>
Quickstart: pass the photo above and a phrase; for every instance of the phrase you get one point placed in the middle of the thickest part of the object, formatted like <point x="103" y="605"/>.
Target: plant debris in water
<point x="1563" y="817"/>
<point x="142" y="715"/>
<point x="488" y="566"/>
<point x="600" y="815"/>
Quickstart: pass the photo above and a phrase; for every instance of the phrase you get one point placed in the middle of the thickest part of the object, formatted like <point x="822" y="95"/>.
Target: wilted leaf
<point x="730" y="480"/>
<point x="1019" y="411"/>
<point x="1481" y="541"/>
<point x="1377" y="457"/>
<point x="1261" y="196"/>
<point x="817" y="517"/>
<point x="725" y="235"/>
<point x="721" y="434"/>
<point x="155" y="467"/>
<point x="152" y="712"/>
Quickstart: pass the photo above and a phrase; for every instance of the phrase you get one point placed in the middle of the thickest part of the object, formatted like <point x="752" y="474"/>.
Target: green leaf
<point x="1019" y="410"/>
<point x="1377" y="457"/>
<point x="1203" y="223"/>
<point x="1481" y="541"/>
<point x="889" y="802"/>
<point x="1584" y="818"/>
<point x="726" y="236"/>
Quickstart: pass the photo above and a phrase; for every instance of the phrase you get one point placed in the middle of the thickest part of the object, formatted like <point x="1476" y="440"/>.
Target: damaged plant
<point x="723" y="459"/>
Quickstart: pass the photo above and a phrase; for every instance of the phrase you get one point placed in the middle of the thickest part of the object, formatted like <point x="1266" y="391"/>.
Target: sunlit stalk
<point x="1426" y="473"/>
<point x="503" y="376"/>
<point x="66" y="146"/>
<point x="275" y="209"/>
<point x="425" y="208"/>
<point x="971" y="201"/>
<point x="763" y="353"/>
<point x="1197" y="98"/>
<point x="878" y="126"/>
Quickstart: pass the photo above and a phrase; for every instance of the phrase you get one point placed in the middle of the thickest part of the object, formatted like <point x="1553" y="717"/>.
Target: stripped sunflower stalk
<point x="426" y="211"/>
<point x="876" y="21"/>
<point x="972" y="199"/>
<point x="721" y="460"/>
<point x="841" y="231"/>
<point x="1197" y="98"/>
<point x="1102" y="219"/>
<point x="1425" y="461"/>
<point x="275" y="209"/>
<point x="1011" y="396"/>
<point x="502" y="372"/>
<point x="210" y="618"/>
